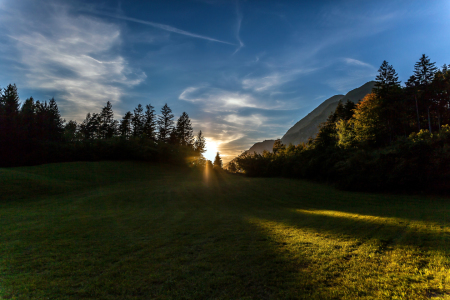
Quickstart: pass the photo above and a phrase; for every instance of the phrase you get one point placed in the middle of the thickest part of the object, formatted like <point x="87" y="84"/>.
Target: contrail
<point x="238" y="27"/>
<point x="166" y="28"/>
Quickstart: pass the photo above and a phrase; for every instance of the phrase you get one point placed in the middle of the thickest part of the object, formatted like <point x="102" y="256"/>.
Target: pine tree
<point x="28" y="118"/>
<point x="138" y="121"/>
<point x="218" y="161"/>
<point x="184" y="131"/>
<point x="108" y="126"/>
<point x="11" y="101"/>
<point x="55" y="124"/>
<point x="165" y="123"/>
<point x="424" y="71"/>
<point x="386" y="79"/>
<point x="200" y="143"/>
<point x="125" y="125"/>
<point x="90" y="128"/>
<point x="9" y="118"/>
<point x="149" y="122"/>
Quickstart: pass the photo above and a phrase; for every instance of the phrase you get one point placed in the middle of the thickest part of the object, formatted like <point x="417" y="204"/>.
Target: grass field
<point x="127" y="230"/>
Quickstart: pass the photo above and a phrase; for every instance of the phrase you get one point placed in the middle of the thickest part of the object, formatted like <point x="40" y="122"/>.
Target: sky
<point x="244" y="71"/>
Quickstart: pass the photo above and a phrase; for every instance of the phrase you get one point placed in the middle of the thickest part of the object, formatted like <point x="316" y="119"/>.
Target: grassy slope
<point x="132" y="231"/>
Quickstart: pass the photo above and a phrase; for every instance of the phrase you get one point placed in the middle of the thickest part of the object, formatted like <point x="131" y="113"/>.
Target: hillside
<point x="260" y="147"/>
<point x="308" y="126"/>
<point x="133" y="230"/>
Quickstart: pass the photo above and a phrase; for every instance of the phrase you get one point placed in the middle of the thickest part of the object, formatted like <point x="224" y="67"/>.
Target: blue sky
<point x="244" y="71"/>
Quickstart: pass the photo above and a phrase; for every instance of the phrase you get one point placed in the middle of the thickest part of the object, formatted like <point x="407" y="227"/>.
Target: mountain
<point x="309" y="125"/>
<point x="261" y="146"/>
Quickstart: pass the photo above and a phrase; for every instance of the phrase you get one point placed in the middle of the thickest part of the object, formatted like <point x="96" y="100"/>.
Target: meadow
<point x="130" y="230"/>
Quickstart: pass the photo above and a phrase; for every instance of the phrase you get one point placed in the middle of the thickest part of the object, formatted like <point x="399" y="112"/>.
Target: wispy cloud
<point x="72" y="58"/>
<point x="356" y="62"/>
<point x="163" y="27"/>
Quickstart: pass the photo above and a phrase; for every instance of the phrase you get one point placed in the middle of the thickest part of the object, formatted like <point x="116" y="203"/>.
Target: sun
<point x="212" y="148"/>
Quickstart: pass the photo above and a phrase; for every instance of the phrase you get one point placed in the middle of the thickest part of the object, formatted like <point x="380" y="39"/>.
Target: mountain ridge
<point x="309" y="125"/>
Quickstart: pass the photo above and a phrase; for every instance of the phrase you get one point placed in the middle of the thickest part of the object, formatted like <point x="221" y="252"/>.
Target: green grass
<point x="125" y="230"/>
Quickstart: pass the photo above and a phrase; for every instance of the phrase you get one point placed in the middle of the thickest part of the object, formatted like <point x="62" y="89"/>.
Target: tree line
<point x="33" y="132"/>
<point x="396" y="137"/>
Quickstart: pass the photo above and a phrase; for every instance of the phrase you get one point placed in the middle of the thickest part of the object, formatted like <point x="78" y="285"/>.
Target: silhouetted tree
<point x="184" y="131"/>
<point x="108" y="126"/>
<point x="90" y="128"/>
<point x="217" y="161"/>
<point x="386" y="79"/>
<point x="125" y="125"/>
<point x="54" y="121"/>
<point x="165" y="123"/>
<point x="138" y="121"/>
<point x="200" y="143"/>
<point x="424" y="71"/>
<point x="149" y="122"/>
<point x="28" y="118"/>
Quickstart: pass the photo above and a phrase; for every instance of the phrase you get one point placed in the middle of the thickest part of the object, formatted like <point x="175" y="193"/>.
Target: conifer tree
<point x="54" y="121"/>
<point x="200" y="143"/>
<point x="386" y="79"/>
<point x="165" y="123"/>
<point x="125" y="125"/>
<point x="28" y="118"/>
<point x="149" y="122"/>
<point x="108" y="126"/>
<point x="424" y="71"/>
<point x="10" y="101"/>
<point x="138" y="121"/>
<point x="9" y="117"/>
<point x="184" y="131"/>
<point x="217" y="161"/>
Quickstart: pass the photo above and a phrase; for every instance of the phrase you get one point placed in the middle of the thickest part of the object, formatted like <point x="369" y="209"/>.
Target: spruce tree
<point x="200" y="143"/>
<point x="424" y="71"/>
<point x="125" y="125"/>
<point x="165" y="123"/>
<point x="149" y="122"/>
<point x="54" y="122"/>
<point x="28" y="118"/>
<point x="184" y="131"/>
<point x="217" y="161"/>
<point x="108" y="126"/>
<point x="386" y="79"/>
<point x="138" y="121"/>
<point x="10" y="101"/>
<point x="9" y="118"/>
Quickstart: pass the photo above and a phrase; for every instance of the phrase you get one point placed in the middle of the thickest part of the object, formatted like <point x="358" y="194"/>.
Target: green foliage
<point x="374" y="145"/>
